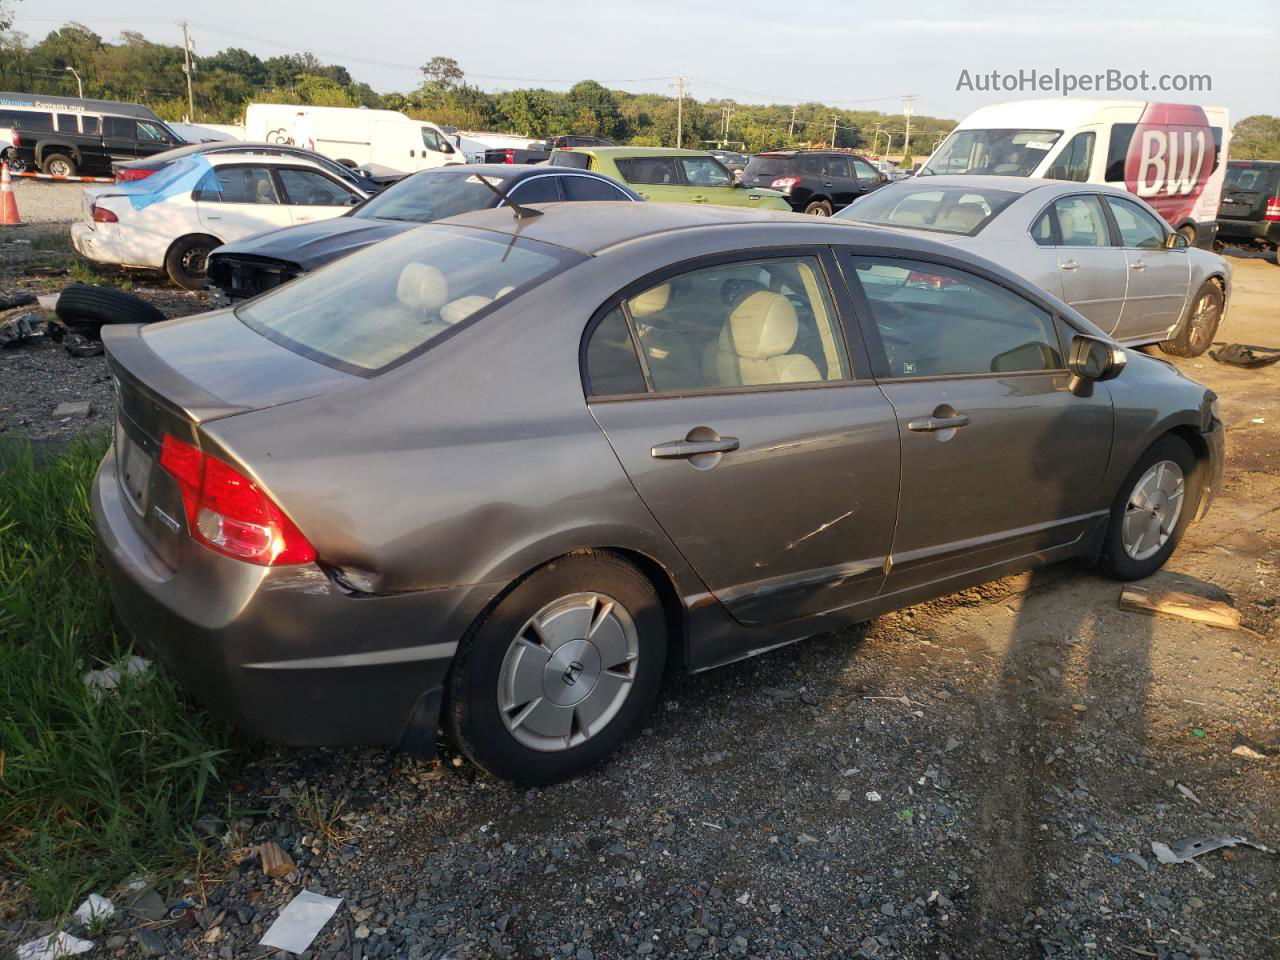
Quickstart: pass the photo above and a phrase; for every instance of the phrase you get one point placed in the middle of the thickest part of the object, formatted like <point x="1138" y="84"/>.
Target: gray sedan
<point x="504" y="473"/>
<point x="1099" y="248"/>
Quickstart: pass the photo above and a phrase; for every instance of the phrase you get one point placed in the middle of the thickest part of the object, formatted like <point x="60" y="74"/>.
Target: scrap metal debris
<point x="1246" y="355"/>
<point x="20" y="327"/>
<point x="300" y="921"/>
<point x="1186" y="851"/>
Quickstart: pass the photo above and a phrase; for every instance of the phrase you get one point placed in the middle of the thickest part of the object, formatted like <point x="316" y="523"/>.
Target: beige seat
<point x="755" y="345"/>
<point x="963" y="217"/>
<point x="455" y="311"/>
<point x="672" y="362"/>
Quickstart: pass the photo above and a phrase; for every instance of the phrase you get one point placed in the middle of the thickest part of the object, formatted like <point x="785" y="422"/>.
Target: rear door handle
<point x="684" y="449"/>
<point x="1069" y="265"/>
<point x="1137" y="265"/>
<point x="932" y="424"/>
<point x="826" y="183"/>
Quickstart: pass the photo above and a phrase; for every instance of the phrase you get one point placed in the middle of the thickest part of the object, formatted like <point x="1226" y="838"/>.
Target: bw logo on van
<point x="1170" y="158"/>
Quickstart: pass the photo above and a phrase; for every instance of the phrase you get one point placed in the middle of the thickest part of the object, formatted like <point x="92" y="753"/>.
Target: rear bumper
<point x="283" y="653"/>
<point x="1206" y="234"/>
<point x="100" y="246"/>
<point x="1215" y="439"/>
<point x="1257" y="231"/>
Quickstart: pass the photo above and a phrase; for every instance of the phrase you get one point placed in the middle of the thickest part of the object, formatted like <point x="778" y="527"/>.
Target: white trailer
<point x="355" y="136"/>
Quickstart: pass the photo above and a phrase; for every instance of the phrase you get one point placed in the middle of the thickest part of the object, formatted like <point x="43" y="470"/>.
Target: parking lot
<point x="980" y="776"/>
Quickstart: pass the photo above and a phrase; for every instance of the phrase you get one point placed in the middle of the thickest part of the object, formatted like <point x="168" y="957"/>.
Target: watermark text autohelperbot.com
<point x="1065" y="82"/>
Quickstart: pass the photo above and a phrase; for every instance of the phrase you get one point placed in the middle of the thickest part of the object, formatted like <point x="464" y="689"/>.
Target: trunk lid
<point x="171" y="378"/>
<point x="1247" y="189"/>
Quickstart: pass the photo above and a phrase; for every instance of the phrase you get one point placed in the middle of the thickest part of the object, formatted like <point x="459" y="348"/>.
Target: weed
<point x="321" y="816"/>
<point x="95" y="787"/>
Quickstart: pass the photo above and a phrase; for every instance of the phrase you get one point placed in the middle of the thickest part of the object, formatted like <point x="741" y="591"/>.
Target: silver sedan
<point x="1101" y="249"/>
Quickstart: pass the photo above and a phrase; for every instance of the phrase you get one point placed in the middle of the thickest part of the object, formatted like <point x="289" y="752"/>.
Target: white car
<point x="174" y="218"/>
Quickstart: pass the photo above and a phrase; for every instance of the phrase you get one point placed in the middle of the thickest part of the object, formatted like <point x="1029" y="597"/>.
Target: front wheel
<point x="560" y="672"/>
<point x="1196" y="332"/>
<point x="187" y="261"/>
<point x="819" y="208"/>
<point x="1154" y="506"/>
<point x="59" y="165"/>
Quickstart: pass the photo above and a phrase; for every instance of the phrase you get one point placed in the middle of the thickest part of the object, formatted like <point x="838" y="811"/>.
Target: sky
<point x="853" y="54"/>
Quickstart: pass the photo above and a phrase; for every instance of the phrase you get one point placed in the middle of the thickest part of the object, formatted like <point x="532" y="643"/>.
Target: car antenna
<point x="520" y="212"/>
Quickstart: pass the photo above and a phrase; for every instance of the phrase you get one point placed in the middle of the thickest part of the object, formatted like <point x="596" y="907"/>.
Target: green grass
<point x="93" y="789"/>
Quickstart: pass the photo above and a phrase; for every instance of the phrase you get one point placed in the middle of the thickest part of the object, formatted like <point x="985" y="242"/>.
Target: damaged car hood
<point x="312" y="245"/>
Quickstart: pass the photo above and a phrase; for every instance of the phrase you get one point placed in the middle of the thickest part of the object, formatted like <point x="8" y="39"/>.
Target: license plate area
<point x="134" y="467"/>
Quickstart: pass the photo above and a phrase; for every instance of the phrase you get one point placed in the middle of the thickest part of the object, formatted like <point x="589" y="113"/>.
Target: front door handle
<point x="933" y="424"/>
<point x="826" y="183"/>
<point x="698" y="198"/>
<point x="684" y="449"/>
<point x="1069" y="265"/>
<point x="1137" y="265"/>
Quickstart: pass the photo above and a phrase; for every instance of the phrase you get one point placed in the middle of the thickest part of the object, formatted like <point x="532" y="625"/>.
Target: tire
<point x="187" y="261"/>
<point x="84" y="307"/>
<point x="1123" y="562"/>
<point x="1196" y="332"/>
<point x="59" y="165"/>
<point x="818" y="208"/>
<point x="1189" y="231"/>
<point x="523" y="742"/>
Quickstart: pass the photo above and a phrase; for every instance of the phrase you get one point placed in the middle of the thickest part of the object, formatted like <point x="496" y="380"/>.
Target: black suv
<point x="816" y="182"/>
<point x="1250" y="210"/>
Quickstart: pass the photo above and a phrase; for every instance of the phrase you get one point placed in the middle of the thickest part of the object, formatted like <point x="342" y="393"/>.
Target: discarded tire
<point x="84" y="305"/>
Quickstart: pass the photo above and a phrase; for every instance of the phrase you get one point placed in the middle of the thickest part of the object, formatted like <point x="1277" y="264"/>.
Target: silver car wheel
<point x="568" y="671"/>
<point x="1153" y="510"/>
<point x="1204" y="319"/>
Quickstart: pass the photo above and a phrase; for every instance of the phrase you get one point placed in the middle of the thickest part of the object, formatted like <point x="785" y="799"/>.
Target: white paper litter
<point x="93" y="908"/>
<point x="300" y="921"/>
<point x="54" y="947"/>
<point x="109" y="679"/>
<point x="873" y="796"/>
<point x="48" y="301"/>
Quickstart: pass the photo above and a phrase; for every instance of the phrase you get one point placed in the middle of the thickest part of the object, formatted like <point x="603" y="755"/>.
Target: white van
<point x="1172" y="155"/>
<point x="354" y="136"/>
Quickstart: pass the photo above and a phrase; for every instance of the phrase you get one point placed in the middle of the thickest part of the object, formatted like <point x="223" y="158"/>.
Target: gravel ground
<point x="977" y="777"/>
<point x="40" y="201"/>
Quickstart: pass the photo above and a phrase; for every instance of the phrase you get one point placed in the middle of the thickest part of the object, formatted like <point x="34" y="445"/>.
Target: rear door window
<point x="67" y="123"/>
<point x="612" y="367"/>
<point x="124" y="128"/>
<point x="1081" y="222"/>
<point x="238" y="185"/>
<point x="835" y="167"/>
<point x="311" y="189"/>
<point x="940" y="321"/>
<point x="654" y="170"/>
<point x="412" y="290"/>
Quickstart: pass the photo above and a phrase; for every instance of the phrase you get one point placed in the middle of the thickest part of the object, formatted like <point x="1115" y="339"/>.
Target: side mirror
<point x="884" y="178"/>
<point x="1091" y="361"/>
<point x="1176" y="241"/>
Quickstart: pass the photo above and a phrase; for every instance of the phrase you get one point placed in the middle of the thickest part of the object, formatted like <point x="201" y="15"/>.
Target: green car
<point x="667" y="175"/>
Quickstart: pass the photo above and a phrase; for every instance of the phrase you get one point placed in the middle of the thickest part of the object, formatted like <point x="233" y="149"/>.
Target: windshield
<point x="959" y="210"/>
<point x="1006" y="153"/>
<point x="767" y="167"/>
<point x="432" y="195"/>
<point x="382" y="305"/>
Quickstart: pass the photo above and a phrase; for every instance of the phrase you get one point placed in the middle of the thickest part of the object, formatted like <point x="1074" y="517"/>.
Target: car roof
<point x="38" y="101"/>
<point x="624" y="152"/>
<point x="593" y="228"/>
<point x="1253" y="163"/>
<point x="1019" y="185"/>
<point x="248" y="156"/>
<point x="513" y="171"/>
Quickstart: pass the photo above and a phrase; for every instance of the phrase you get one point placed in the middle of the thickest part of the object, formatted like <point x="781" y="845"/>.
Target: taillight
<point x="228" y="512"/>
<point x="17" y="139"/>
<point x="125" y="174"/>
<point x="511" y="156"/>
<point x="103" y="215"/>
<point x="1273" y="209"/>
<point x="784" y="183"/>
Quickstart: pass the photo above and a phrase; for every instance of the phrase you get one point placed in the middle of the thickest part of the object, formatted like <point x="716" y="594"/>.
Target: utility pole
<point x="186" y="68"/>
<point x="725" y="113"/>
<point x="875" y="140"/>
<point x="680" y="84"/>
<point x="791" y="130"/>
<point x="909" y="103"/>
<point x="834" y="117"/>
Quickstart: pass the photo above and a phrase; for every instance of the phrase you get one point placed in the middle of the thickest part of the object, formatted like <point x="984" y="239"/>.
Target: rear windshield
<point x="1242" y="179"/>
<point x="1007" y="153"/>
<point x="767" y="167"/>
<point x="432" y="195"/>
<point x="959" y="210"/>
<point x="381" y="306"/>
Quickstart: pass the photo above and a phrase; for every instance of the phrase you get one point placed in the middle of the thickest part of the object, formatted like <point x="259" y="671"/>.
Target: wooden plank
<point x="275" y="862"/>
<point x="1186" y="606"/>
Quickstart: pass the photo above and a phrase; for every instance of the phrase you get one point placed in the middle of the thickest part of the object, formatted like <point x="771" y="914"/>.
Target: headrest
<point x="651" y="301"/>
<point x="763" y="325"/>
<point x="422" y="287"/>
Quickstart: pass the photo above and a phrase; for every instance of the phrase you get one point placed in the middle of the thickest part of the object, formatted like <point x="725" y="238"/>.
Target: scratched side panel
<point x="795" y="522"/>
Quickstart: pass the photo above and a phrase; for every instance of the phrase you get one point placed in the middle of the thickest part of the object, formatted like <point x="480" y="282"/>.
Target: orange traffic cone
<point x="8" y="202"/>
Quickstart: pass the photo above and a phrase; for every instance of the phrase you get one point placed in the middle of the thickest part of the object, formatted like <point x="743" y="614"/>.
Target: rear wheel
<point x="563" y="669"/>
<point x="1195" y="334"/>
<point x="59" y="165"/>
<point x="187" y="261"/>
<point x="1154" y="506"/>
<point x="818" y="208"/>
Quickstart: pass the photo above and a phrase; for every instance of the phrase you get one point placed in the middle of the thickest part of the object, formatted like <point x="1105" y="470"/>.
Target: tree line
<point x="137" y="70"/>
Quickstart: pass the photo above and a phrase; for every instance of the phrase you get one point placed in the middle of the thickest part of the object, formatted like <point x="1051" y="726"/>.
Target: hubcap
<point x="59" y="169"/>
<point x="819" y="211"/>
<point x="194" y="260"/>
<point x="1203" y="318"/>
<point x="568" y="671"/>
<point x="1153" y="510"/>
